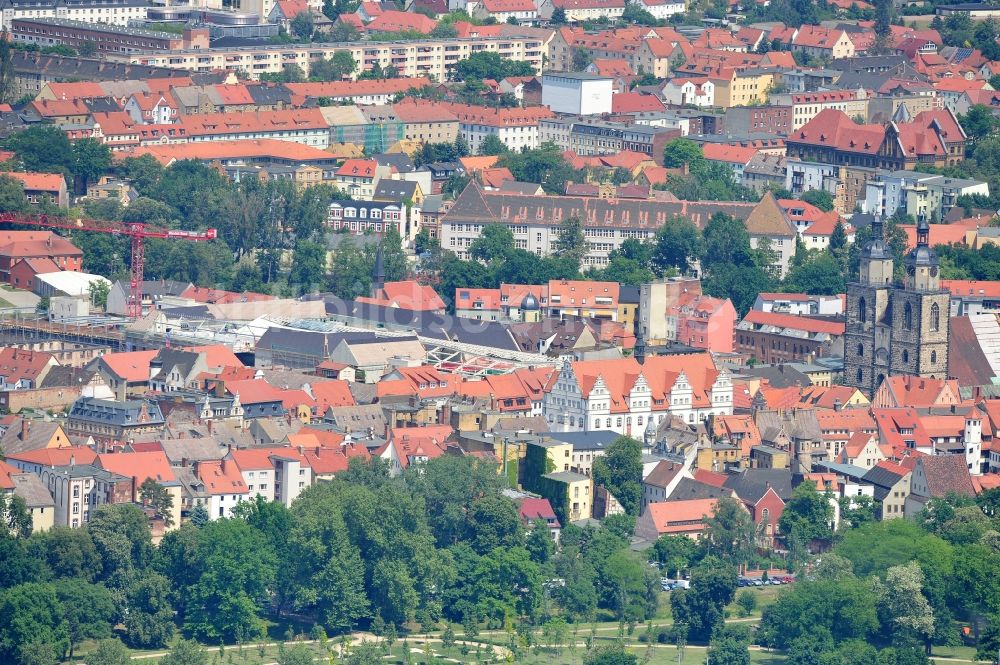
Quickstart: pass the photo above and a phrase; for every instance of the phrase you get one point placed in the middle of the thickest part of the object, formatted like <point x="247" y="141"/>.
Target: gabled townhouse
<point x="39" y="187"/>
<point x="936" y="477"/>
<point x="274" y="473"/>
<point x="409" y="446"/>
<point x="220" y="487"/>
<point x="861" y="450"/>
<point x="142" y="466"/>
<point x="18" y="245"/>
<point x="522" y="12"/>
<point x="837" y="428"/>
<point x="30" y="489"/>
<point x="532" y="509"/>
<point x="820" y="42"/>
<point x="763" y="493"/>
<point x="126" y="373"/>
<point x="917" y="392"/>
<point x="892" y="487"/>
<point x="622" y="395"/>
<point x="357" y="177"/>
<point x="151" y="109"/>
<point x="660" y="483"/>
<point x="675" y="518"/>
<point x="111" y="422"/>
<point x="689" y="91"/>
<point x="24" y="370"/>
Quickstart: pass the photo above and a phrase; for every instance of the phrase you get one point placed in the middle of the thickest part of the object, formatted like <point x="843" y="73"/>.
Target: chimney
<point x="184" y="462"/>
<point x="837" y="405"/>
<point x="72" y="460"/>
<point x="25" y="428"/>
<point x="209" y="423"/>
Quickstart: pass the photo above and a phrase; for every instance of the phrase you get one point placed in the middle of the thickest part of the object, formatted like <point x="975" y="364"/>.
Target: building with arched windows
<point x="896" y="329"/>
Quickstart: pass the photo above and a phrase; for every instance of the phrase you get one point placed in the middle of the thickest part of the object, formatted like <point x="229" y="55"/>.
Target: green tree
<point x="539" y="542"/>
<point x="494" y="242"/>
<point x="308" y="265"/>
<point x="624" y="586"/>
<point x="121" y="535"/>
<point x="149" y="621"/>
<point x="674" y="553"/>
<point x="678" y="244"/>
<point x="186" y="652"/>
<point x="87" y="611"/>
<point x="30" y="614"/>
<point x="845" y="607"/>
<point x="228" y="595"/>
<point x="19" y="566"/>
<point x="558" y="16"/>
<point x="16" y="518"/>
<point x="820" y="198"/>
<point x="91" y="159"/>
<point x="494" y="522"/>
<point x="905" y="612"/>
<point x="620" y="471"/>
<point x="491" y="145"/>
<point x="67" y="552"/>
<point x="143" y="172"/>
<point x="747" y="602"/>
<point x="366" y="653"/>
<point x="335" y="68"/>
<point x="727" y="243"/>
<point x="544" y="165"/>
<point x="110" y="652"/>
<point x="296" y="654"/>
<point x="731" y="646"/>
<point x="700" y="608"/>
<point x="489" y="65"/>
<point x="12" y="197"/>
<point x="808" y="515"/>
<point x="303" y="25"/>
<point x="571" y="243"/>
<point x="43" y="148"/>
<point x="729" y="532"/>
<point x="98" y="292"/>
<point x="609" y="654"/>
<point x="157" y="497"/>
<point x="680" y="152"/>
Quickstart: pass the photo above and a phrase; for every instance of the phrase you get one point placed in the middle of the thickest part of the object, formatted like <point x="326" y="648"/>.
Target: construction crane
<point x="138" y="232"/>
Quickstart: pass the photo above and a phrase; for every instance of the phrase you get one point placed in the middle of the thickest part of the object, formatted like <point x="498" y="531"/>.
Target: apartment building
<point x="807" y="105"/>
<point x="535" y="220"/>
<point x="517" y="128"/>
<point x="112" y="12"/>
<point x="107" y="39"/>
<point x="432" y="58"/>
<point x="624" y="395"/>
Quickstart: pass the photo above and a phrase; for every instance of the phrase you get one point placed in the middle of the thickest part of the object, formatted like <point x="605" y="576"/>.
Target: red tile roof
<point x="635" y="102"/>
<point x="139" y="466"/>
<point x="131" y="366"/>
<point x="17" y="364"/>
<point x="794" y="322"/>
<point x="732" y="154"/>
<point x="56" y="456"/>
<point x="221" y="477"/>
<point x="834" y="128"/>
<point x="41" y="182"/>
<point x="396" y="21"/>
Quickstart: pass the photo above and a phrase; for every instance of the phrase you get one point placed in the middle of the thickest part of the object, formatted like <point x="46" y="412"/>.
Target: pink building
<point x="704" y="322"/>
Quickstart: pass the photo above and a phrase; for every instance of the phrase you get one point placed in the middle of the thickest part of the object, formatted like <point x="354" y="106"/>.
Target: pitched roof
<point x="768" y="219"/>
<point x="663" y="473"/>
<point x="681" y="516"/>
<point x="42" y="182"/>
<point x="833" y="128"/>
<point x="55" y="456"/>
<point x="221" y="477"/>
<point x="139" y="466"/>
<point x="793" y="322"/>
<point x="131" y="366"/>
<point x="635" y="102"/>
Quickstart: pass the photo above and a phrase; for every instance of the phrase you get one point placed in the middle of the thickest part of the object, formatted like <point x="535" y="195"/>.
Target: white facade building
<point x="577" y="93"/>
<point x="623" y="396"/>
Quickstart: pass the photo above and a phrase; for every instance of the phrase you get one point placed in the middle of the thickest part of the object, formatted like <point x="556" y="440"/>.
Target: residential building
<point x="623" y="396"/>
<point x="220" y="487"/>
<point x="78" y="489"/>
<point x="107" y="38"/>
<point x="799" y="304"/>
<point x="776" y="338"/>
<point x="702" y="322"/>
<point x="111" y="422"/>
<point x="583" y="10"/>
<point x="115" y="12"/>
<point x="18" y="245"/>
<point x="41" y="186"/>
<point x="275" y="473"/>
<point x="364" y="217"/>
<point x="923" y="196"/>
<point x="686" y="517"/>
<point x="892" y="487"/>
<point x="516" y="128"/>
<point x="535" y="220"/>
<point x="807" y="105"/>
<point x="431" y="57"/>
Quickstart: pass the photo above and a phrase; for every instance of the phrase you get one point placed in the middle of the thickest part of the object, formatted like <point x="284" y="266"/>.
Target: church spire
<point x="378" y="272"/>
<point x="639" y="352"/>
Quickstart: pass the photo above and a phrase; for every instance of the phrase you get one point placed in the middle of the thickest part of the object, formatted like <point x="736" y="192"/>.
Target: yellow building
<point x="748" y="87"/>
<point x="717" y="457"/>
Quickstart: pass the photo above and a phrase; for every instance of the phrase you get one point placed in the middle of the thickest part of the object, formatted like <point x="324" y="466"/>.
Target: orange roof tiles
<point x="139" y="466"/>
<point x="221" y="477"/>
<point x="684" y="516"/>
<point x="794" y="322"/>
<point x="635" y="102"/>
<point x="131" y="366"/>
<point x="56" y="456"/>
<point x="397" y="21"/>
<point x="718" y="152"/>
<point x="332" y="393"/>
<point x="43" y="182"/>
<point x="834" y="128"/>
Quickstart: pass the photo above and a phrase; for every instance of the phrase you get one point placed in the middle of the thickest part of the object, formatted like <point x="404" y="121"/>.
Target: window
<point x="861" y="350"/>
<point x="908" y="317"/>
<point x="906" y="356"/>
<point x="933" y="356"/>
<point x="935" y="317"/>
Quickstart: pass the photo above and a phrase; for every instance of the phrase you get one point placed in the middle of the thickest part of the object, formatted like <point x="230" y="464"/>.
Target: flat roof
<point x="333" y="45"/>
<point x="100" y="27"/>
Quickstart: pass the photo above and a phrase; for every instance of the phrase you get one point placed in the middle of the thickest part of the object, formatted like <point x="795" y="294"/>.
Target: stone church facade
<point x="895" y="329"/>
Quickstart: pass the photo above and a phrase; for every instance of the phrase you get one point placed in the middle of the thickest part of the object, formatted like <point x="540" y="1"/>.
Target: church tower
<point x="920" y="314"/>
<point x="868" y="330"/>
<point x="896" y="329"/>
